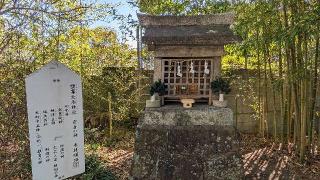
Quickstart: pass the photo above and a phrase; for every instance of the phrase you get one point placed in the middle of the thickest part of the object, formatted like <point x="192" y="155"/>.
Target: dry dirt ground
<point x="13" y="164"/>
<point x="262" y="159"/>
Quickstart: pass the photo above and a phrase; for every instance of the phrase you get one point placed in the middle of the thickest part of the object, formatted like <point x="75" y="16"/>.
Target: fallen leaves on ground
<point x="265" y="159"/>
<point x="262" y="159"/>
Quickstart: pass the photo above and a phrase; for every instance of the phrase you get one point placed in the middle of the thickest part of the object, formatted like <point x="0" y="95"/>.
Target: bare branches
<point x="22" y="16"/>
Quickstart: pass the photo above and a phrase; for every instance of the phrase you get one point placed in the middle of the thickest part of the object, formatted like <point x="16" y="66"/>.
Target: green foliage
<point x="234" y="58"/>
<point x="61" y="35"/>
<point x="220" y="86"/>
<point x="122" y="84"/>
<point x="95" y="138"/>
<point x="43" y="19"/>
<point x="92" y="137"/>
<point x="95" y="169"/>
<point x="88" y="52"/>
<point x="182" y="7"/>
<point x="157" y="87"/>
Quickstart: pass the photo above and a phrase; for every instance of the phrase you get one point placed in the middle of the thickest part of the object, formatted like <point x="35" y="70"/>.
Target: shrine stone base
<point x="176" y="143"/>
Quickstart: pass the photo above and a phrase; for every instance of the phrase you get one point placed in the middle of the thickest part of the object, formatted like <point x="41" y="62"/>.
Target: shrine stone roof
<point x="188" y="30"/>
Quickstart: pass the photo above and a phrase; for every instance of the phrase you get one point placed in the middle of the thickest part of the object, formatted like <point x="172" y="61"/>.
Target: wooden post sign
<point x="55" y="115"/>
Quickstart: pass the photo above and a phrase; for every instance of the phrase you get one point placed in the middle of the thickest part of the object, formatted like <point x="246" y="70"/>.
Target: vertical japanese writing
<point x="66" y="110"/>
<point x="54" y="100"/>
<point x="55" y="153"/>
<point x="39" y="153"/>
<point x="38" y="137"/>
<point x="73" y="99"/>
<point x="55" y="161"/>
<point x="75" y="156"/>
<point x="61" y="151"/>
<point x="37" y="120"/>
<point x="47" y="154"/>
<point x="60" y="116"/>
<point x="75" y="128"/>
<point x="45" y="117"/>
<point x="52" y="116"/>
<point x="55" y="170"/>
<point x="73" y="92"/>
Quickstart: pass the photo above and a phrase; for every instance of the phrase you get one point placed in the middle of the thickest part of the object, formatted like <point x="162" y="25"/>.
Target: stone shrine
<point x="200" y="142"/>
<point x="187" y="52"/>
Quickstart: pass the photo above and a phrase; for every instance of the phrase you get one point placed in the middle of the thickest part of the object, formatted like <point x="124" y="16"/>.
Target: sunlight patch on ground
<point x="262" y="163"/>
<point x="118" y="160"/>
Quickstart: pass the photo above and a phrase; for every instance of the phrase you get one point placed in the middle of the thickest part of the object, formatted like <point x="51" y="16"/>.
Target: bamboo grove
<point x="283" y="38"/>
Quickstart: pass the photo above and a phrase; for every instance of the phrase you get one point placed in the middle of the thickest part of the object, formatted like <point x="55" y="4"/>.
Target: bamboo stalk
<point x="315" y="80"/>
<point x="281" y="95"/>
<point x="265" y="102"/>
<point x="274" y="97"/>
<point x="303" y="120"/>
<point x="314" y="88"/>
<point x="289" y="74"/>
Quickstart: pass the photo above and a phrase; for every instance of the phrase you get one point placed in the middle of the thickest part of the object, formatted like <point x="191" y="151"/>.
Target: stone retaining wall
<point x="176" y="143"/>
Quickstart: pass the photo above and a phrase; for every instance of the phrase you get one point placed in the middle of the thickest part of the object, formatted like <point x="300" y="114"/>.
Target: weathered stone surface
<point x="177" y="115"/>
<point x="171" y="144"/>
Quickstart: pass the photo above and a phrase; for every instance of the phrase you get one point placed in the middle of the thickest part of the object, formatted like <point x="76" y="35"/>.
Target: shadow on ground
<point x="261" y="160"/>
<point x="267" y="160"/>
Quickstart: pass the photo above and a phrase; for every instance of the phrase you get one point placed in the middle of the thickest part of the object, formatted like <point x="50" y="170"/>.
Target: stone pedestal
<point x="177" y="143"/>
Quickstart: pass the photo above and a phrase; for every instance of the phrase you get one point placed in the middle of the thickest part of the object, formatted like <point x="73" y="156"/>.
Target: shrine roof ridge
<point x="146" y="20"/>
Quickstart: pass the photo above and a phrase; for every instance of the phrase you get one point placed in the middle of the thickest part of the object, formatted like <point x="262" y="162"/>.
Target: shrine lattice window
<point x="187" y="82"/>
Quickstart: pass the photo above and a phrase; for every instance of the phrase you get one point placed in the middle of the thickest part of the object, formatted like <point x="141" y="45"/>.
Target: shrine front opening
<point x="187" y="78"/>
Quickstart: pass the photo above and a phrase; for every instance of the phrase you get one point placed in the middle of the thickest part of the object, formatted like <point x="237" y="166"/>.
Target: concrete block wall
<point x="245" y="117"/>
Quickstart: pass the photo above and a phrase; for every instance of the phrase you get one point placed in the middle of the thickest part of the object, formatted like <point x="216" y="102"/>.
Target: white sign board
<point x="55" y="115"/>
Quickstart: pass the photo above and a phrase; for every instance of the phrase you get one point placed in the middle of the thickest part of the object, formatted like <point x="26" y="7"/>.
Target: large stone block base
<point x="188" y="151"/>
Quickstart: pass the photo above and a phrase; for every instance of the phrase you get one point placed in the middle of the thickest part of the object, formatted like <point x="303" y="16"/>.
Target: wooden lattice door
<point x="189" y="84"/>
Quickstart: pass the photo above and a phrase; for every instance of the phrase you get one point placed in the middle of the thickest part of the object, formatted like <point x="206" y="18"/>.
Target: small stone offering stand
<point x="200" y="142"/>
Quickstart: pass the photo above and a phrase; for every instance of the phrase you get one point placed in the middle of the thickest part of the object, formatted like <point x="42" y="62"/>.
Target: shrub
<point x="157" y="87"/>
<point x="95" y="170"/>
<point x="220" y="86"/>
<point x="122" y="84"/>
